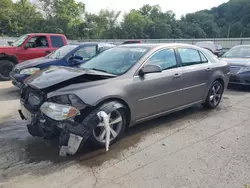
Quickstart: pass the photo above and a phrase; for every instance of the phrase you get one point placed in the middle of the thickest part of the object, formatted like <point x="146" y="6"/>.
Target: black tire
<point x="122" y="111"/>
<point x="6" y="67"/>
<point x="214" y="95"/>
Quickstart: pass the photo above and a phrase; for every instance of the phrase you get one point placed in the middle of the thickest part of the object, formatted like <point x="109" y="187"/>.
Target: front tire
<point x="214" y="95"/>
<point x="118" y="121"/>
<point x="6" y="67"/>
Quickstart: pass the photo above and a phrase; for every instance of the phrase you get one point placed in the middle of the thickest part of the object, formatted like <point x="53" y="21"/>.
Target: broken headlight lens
<point x="59" y="112"/>
<point x="34" y="100"/>
<point x="29" y="71"/>
<point x="71" y="100"/>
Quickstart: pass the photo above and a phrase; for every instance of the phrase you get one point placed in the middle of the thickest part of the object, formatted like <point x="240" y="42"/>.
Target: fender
<point x="84" y="129"/>
<point x="12" y="58"/>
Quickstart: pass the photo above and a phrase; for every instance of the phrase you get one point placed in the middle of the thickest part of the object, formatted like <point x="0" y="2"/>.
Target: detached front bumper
<point x="241" y="78"/>
<point x="40" y="125"/>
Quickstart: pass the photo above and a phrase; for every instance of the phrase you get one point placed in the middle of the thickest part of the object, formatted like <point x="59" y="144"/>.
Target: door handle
<point x="47" y="51"/>
<point x="208" y="69"/>
<point x="177" y="75"/>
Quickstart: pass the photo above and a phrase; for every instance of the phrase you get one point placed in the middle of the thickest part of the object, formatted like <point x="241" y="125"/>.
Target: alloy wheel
<point x="116" y="123"/>
<point x="215" y="94"/>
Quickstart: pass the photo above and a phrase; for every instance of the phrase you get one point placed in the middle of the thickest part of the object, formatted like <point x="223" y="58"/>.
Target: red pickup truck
<point x="28" y="47"/>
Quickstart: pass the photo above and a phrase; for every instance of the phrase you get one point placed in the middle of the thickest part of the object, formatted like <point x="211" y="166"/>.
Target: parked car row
<point x="70" y="55"/>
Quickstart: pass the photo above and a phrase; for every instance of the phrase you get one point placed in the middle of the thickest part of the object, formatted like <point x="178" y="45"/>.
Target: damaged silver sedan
<point x="117" y="89"/>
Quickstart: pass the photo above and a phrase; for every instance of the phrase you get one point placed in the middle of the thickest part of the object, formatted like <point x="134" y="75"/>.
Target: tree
<point x="231" y="19"/>
<point x="135" y="24"/>
<point x="6" y="10"/>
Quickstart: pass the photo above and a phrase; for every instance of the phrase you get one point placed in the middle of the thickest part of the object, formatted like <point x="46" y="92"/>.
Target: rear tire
<point x="214" y="95"/>
<point x="6" y="67"/>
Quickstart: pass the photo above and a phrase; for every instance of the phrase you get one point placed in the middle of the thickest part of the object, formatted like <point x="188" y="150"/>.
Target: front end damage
<point x="72" y="132"/>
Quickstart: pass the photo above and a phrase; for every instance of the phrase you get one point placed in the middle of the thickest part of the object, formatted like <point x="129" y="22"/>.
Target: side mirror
<point x="149" y="68"/>
<point x="27" y="45"/>
<point x="100" y="50"/>
<point x="78" y="57"/>
<point x="75" y="59"/>
<point x="10" y="43"/>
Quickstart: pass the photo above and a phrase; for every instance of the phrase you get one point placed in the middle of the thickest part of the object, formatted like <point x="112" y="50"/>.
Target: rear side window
<point x="57" y="41"/>
<point x="203" y="58"/>
<point x="191" y="57"/>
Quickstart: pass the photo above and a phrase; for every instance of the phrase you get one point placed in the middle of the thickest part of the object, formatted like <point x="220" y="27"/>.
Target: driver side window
<point x="86" y="52"/>
<point x="38" y="42"/>
<point x="165" y="59"/>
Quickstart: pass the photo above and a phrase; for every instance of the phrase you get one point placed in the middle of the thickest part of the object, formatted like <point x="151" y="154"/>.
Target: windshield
<point x="19" y="41"/>
<point x="116" y="60"/>
<point x="61" y="52"/>
<point x="238" y="52"/>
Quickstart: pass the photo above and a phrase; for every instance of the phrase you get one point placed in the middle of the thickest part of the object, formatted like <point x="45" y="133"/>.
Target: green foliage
<point x="230" y="19"/>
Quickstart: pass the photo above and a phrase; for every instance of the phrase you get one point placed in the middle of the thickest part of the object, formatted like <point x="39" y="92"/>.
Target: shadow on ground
<point x="240" y="88"/>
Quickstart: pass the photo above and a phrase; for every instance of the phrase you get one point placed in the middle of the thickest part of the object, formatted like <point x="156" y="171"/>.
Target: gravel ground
<point x="191" y="148"/>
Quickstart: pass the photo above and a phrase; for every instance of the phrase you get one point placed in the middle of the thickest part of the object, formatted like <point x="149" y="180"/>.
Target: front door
<point x="37" y="46"/>
<point x="196" y="72"/>
<point x="81" y="55"/>
<point x="157" y="93"/>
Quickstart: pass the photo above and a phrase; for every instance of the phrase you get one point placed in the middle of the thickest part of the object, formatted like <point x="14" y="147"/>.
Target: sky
<point x="179" y="7"/>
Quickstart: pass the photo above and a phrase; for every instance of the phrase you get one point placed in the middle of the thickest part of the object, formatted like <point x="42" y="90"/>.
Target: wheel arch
<point x="122" y="102"/>
<point x="12" y="58"/>
<point x="221" y="81"/>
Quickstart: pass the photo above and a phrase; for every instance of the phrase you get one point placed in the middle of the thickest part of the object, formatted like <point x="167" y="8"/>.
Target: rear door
<point x="158" y="92"/>
<point x="196" y="73"/>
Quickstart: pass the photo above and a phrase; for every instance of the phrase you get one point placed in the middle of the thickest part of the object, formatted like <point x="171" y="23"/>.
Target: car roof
<point x="92" y="43"/>
<point x="52" y="34"/>
<point x="242" y="46"/>
<point x="159" y="45"/>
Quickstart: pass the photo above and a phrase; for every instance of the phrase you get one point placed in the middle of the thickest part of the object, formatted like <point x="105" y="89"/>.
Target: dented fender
<point x="83" y="131"/>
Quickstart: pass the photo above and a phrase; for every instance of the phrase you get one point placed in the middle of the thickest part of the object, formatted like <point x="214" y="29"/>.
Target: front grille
<point x="235" y="69"/>
<point x="32" y="98"/>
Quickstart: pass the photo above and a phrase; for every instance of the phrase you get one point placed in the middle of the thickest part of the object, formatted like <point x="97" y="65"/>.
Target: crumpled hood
<point x="34" y="63"/>
<point x="237" y="61"/>
<point x="53" y="76"/>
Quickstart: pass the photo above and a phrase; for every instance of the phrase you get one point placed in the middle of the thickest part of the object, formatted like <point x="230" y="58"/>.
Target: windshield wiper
<point x="100" y="70"/>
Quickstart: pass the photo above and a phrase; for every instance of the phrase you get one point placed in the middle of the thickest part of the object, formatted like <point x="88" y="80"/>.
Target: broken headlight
<point x="29" y="71"/>
<point x="35" y="100"/>
<point x="70" y="99"/>
<point x="59" y="112"/>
